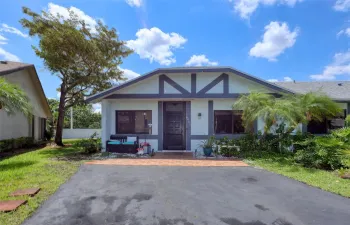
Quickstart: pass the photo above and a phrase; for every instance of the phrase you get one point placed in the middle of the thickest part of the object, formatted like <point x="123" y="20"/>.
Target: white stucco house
<point x="177" y="108"/>
<point x="16" y="126"/>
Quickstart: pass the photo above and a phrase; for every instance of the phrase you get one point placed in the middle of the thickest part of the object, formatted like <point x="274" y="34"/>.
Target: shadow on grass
<point x="15" y="152"/>
<point x="67" y="153"/>
<point x="15" y="165"/>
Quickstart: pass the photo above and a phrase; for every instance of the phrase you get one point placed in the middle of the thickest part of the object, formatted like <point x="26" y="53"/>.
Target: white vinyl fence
<point x="80" y="133"/>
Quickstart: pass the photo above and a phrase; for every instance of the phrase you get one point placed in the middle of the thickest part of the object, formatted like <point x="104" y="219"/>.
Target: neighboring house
<point x="339" y="91"/>
<point x="177" y="108"/>
<point x="18" y="125"/>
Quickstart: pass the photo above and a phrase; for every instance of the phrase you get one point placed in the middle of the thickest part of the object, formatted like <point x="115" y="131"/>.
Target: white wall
<point x="17" y="125"/>
<point x="108" y="116"/>
<point x="183" y="79"/>
<point x="203" y="79"/>
<point x="238" y="84"/>
<point x="199" y="126"/>
<point x="79" y="133"/>
<point x="147" y="86"/>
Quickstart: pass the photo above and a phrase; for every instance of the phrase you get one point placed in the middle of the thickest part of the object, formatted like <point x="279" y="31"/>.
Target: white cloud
<point x="345" y="32"/>
<point x="4" y="55"/>
<point x="134" y="3"/>
<point x="339" y="66"/>
<point x="285" y="79"/>
<point x="155" y="45"/>
<point x="3" y="40"/>
<point x="342" y="5"/>
<point x="276" y="39"/>
<point x="200" y="60"/>
<point x="245" y="8"/>
<point x="64" y="12"/>
<point x="97" y="107"/>
<point x="6" y="28"/>
<point x="129" y="74"/>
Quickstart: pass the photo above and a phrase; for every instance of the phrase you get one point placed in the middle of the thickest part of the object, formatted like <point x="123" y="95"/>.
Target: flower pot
<point x="207" y="151"/>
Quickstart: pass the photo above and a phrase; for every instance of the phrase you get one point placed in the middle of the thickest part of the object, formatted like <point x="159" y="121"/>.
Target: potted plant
<point x="208" y="145"/>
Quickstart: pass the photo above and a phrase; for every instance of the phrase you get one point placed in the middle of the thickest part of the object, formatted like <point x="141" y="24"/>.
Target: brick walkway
<point x="168" y="162"/>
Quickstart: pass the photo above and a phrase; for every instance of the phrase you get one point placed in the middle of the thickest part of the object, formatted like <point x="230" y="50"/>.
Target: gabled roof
<point x="337" y="90"/>
<point x="8" y="67"/>
<point x="188" y="70"/>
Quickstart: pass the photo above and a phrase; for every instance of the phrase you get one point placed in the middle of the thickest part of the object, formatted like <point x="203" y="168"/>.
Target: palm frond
<point x="13" y="99"/>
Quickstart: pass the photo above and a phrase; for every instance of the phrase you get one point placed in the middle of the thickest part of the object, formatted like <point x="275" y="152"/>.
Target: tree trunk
<point x="60" y="119"/>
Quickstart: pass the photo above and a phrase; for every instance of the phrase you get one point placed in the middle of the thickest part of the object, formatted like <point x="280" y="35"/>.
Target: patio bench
<point x="120" y="144"/>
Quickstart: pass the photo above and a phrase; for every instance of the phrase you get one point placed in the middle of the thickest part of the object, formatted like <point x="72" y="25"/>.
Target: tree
<point x="83" y="116"/>
<point x="86" y="60"/>
<point x="291" y="109"/>
<point x="13" y="99"/>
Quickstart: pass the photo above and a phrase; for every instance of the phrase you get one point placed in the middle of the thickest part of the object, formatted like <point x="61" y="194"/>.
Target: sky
<point x="276" y="40"/>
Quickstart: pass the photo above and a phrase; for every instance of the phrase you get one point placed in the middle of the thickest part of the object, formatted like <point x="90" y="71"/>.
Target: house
<point x="177" y="108"/>
<point x="18" y="125"/>
<point x="339" y="91"/>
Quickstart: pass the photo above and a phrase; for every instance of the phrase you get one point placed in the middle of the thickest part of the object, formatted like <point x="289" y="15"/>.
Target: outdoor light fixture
<point x="199" y="115"/>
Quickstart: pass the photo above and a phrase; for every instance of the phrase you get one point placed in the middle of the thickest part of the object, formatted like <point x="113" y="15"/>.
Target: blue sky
<point x="272" y="39"/>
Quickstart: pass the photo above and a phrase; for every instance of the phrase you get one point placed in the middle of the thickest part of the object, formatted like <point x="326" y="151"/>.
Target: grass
<point x="284" y="165"/>
<point x="43" y="168"/>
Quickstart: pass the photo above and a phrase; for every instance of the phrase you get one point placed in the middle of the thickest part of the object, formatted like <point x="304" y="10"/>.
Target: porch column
<point x="105" y="123"/>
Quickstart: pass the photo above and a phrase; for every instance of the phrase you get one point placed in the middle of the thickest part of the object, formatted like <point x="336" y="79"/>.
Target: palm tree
<point x="13" y="99"/>
<point x="291" y="109"/>
<point x="314" y="106"/>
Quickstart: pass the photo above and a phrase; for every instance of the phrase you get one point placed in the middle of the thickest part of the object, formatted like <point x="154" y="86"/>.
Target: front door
<point x="174" y="131"/>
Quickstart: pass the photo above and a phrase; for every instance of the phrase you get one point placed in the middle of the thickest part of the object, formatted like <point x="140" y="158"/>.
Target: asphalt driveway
<point x="151" y="195"/>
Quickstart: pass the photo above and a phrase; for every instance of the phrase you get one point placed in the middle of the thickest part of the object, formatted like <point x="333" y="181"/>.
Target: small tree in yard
<point x="13" y="99"/>
<point x="291" y="109"/>
<point x="85" y="60"/>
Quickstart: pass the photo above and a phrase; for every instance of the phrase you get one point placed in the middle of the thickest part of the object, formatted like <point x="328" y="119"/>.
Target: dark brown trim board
<point x="160" y="125"/>
<point x="188" y="125"/>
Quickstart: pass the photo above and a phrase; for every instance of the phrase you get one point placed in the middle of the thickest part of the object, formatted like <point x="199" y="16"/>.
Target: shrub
<point x="322" y="152"/>
<point x="48" y="135"/>
<point x="11" y="144"/>
<point x="248" y="143"/>
<point x="347" y="121"/>
<point x="90" y="145"/>
<point x="342" y="134"/>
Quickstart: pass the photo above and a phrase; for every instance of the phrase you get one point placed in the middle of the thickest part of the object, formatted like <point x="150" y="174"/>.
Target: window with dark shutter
<point x="134" y="122"/>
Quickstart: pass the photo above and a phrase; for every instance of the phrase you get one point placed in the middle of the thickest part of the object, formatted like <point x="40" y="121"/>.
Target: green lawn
<point x="46" y="168"/>
<point x="326" y="180"/>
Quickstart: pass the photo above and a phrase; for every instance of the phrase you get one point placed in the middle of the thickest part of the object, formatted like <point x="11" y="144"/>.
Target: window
<point x="315" y="127"/>
<point x="134" y="122"/>
<point x="228" y="122"/>
<point x="338" y="121"/>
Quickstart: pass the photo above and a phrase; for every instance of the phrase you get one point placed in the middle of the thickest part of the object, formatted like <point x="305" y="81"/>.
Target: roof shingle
<point x="7" y="67"/>
<point x="337" y="90"/>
